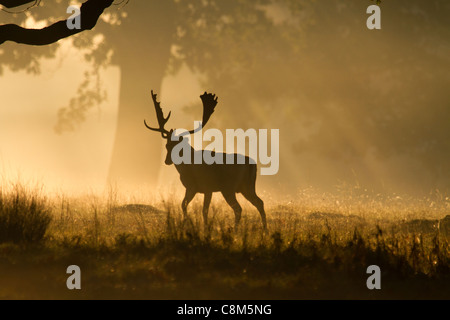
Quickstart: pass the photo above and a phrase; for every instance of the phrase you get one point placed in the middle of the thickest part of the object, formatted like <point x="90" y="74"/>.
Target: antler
<point x="160" y="116"/>
<point x="209" y="103"/>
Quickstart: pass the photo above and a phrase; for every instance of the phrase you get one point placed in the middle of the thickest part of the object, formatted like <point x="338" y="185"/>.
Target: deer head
<point x="209" y="103"/>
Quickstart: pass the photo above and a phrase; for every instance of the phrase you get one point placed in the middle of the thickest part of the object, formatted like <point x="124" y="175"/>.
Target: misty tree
<point x="390" y="84"/>
<point x="147" y="39"/>
<point x="136" y="38"/>
<point x="334" y="88"/>
<point x="310" y="68"/>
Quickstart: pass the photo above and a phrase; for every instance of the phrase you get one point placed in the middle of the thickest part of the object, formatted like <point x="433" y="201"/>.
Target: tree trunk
<point x="143" y="55"/>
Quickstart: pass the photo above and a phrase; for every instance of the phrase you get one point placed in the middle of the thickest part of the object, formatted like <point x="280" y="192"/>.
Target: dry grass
<point x="317" y="246"/>
<point x="24" y="215"/>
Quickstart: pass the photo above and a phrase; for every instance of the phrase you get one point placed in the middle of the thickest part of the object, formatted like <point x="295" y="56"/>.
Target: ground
<point x="314" y="248"/>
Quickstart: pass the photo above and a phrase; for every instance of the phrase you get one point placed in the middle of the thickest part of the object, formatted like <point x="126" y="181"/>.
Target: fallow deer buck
<point x="228" y="179"/>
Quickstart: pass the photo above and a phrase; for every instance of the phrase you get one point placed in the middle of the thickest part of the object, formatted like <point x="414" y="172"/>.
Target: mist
<point x="354" y="107"/>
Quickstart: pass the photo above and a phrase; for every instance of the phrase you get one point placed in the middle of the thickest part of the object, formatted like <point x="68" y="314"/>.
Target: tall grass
<point x="352" y="234"/>
<point x="24" y="215"/>
<point x="314" y="247"/>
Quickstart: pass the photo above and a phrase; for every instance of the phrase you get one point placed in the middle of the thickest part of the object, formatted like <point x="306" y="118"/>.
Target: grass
<point x="24" y="216"/>
<point x="317" y="247"/>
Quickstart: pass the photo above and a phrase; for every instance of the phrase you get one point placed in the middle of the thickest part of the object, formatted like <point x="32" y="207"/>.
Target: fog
<point x="354" y="107"/>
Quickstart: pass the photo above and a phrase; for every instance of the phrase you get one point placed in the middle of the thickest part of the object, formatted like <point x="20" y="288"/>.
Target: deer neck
<point x="182" y="167"/>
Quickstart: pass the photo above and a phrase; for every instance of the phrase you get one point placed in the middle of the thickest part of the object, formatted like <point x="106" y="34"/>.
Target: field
<point x="318" y="246"/>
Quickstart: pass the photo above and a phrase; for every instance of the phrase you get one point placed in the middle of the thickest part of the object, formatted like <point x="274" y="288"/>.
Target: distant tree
<point x="336" y="89"/>
<point x="146" y="39"/>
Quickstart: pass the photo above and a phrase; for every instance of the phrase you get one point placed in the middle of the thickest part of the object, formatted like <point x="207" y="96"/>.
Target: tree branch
<point x="14" y="3"/>
<point x="90" y="12"/>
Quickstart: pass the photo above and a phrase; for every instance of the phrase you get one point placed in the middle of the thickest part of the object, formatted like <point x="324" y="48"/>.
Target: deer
<point x="228" y="179"/>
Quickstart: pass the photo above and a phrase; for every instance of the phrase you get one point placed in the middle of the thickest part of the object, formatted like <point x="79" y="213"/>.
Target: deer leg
<point x="187" y="198"/>
<point x="206" y="203"/>
<point x="230" y="198"/>
<point x="258" y="203"/>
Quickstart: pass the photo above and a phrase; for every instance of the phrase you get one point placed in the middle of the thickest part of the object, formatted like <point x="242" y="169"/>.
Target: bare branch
<point x="14" y="3"/>
<point x="90" y="12"/>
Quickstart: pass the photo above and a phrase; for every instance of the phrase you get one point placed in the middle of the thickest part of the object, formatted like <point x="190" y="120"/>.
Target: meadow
<point x="318" y="246"/>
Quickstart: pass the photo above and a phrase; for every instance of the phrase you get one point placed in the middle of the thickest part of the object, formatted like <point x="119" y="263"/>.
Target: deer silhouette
<point x="229" y="179"/>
